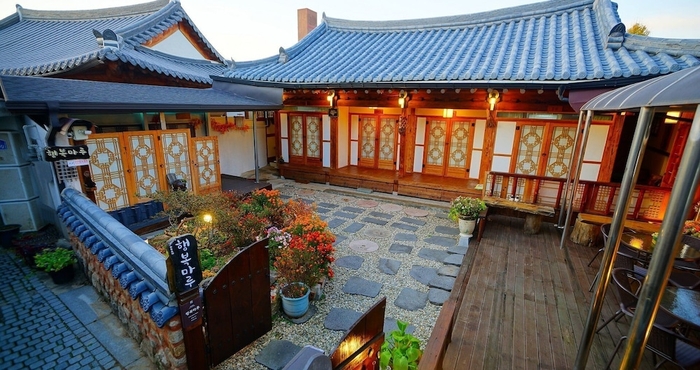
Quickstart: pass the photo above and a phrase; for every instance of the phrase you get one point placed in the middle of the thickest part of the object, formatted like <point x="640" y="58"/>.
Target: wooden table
<point x="533" y="212"/>
<point x="684" y="303"/>
<point x="643" y="243"/>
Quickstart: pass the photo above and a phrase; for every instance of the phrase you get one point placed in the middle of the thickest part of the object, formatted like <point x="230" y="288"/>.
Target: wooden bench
<point x="533" y="212"/>
<point x="587" y="227"/>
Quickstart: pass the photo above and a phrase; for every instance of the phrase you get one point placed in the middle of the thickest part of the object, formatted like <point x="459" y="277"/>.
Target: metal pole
<point x="255" y="146"/>
<point x="568" y="174"/>
<point x="634" y="162"/>
<point x="662" y="259"/>
<point x="577" y="174"/>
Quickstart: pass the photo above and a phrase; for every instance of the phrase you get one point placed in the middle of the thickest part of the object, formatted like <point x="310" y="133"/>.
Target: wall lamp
<point x="492" y="99"/>
<point x="403" y="98"/>
<point x="330" y="97"/>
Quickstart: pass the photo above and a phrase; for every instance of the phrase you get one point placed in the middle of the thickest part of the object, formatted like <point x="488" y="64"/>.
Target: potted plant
<point x="299" y="266"/>
<point x="400" y="350"/>
<point x="58" y="263"/>
<point x="466" y="210"/>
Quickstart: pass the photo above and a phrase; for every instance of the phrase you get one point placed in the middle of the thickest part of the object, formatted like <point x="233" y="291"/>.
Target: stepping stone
<point x="411" y="299"/>
<point x="381" y="215"/>
<point x="390" y="207"/>
<point x="447" y="230"/>
<point x="443" y="215"/>
<point x="442" y="282"/>
<point x="375" y="221"/>
<point x="341" y="319"/>
<point x="339" y="239"/>
<point x="322" y="210"/>
<point x="307" y="201"/>
<point x="350" y="262"/>
<point x="327" y="205"/>
<point x="413" y="221"/>
<point x="323" y="218"/>
<point x="354" y="227"/>
<point x="305" y="192"/>
<point x="423" y="274"/>
<point x="353" y="209"/>
<point x="407" y="227"/>
<point x="454" y="259"/>
<point x="344" y="214"/>
<point x="367" y="203"/>
<point x="405" y="237"/>
<point x="437" y="296"/>
<point x="390" y="325"/>
<point x="440" y="240"/>
<point x="458" y="250"/>
<point x="277" y="354"/>
<point x="307" y="316"/>
<point x="448" y="270"/>
<point x="377" y="233"/>
<point x="365" y="190"/>
<point x="285" y="197"/>
<point x="363" y="246"/>
<point x="400" y="248"/>
<point x="435" y="254"/>
<point x="335" y="222"/>
<point x="415" y="212"/>
<point x="463" y="241"/>
<point x="389" y="266"/>
<point x="360" y="286"/>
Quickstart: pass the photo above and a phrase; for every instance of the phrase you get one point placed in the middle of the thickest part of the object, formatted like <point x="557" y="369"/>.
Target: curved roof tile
<point x="557" y="40"/>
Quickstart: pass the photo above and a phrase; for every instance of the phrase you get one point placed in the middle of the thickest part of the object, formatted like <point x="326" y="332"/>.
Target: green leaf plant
<point x="400" y="350"/>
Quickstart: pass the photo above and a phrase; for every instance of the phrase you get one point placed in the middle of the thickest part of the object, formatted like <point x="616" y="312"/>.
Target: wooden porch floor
<point x="525" y="302"/>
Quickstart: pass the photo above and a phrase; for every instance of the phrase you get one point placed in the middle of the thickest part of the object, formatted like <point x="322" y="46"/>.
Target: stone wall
<point x="165" y="345"/>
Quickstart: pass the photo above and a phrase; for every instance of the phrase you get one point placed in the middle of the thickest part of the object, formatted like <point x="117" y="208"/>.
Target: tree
<point x="639" y="29"/>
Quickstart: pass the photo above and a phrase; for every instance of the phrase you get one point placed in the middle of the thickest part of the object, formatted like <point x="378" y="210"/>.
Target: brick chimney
<point x="306" y="22"/>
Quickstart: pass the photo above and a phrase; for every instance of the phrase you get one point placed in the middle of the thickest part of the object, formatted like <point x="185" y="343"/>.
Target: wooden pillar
<point x="408" y="146"/>
<point x="334" y="142"/>
<point x="489" y="142"/>
<point x="610" y="150"/>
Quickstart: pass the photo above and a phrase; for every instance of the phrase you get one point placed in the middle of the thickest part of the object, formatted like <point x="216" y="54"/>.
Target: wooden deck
<point x="523" y="305"/>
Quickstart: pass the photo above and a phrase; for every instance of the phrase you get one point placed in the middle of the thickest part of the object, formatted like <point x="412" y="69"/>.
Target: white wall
<point x="178" y="44"/>
<point x="236" y="150"/>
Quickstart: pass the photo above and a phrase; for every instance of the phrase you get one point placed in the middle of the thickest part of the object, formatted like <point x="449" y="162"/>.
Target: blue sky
<point x="248" y="30"/>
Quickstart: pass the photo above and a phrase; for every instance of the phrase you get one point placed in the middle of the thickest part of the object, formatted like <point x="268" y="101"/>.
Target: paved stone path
<point x="64" y="328"/>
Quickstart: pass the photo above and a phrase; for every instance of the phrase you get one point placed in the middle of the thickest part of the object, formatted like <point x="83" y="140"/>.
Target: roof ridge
<point x="546" y="8"/>
<point x="121" y="11"/>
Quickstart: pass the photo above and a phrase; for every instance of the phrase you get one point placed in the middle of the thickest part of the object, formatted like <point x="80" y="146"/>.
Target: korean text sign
<point x="184" y="260"/>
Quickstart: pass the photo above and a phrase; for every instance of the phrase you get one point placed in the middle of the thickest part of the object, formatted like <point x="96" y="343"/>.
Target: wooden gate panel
<point x="240" y="294"/>
<point x="260" y="282"/>
<point x="218" y="316"/>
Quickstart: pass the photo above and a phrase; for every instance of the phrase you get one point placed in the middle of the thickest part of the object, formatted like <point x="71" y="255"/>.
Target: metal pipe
<point x="664" y="253"/>
<point x="255" y="147"/>
<point x="577" y="174"/>
<point x="568" y="174"/>
<point x="634" y="163"/>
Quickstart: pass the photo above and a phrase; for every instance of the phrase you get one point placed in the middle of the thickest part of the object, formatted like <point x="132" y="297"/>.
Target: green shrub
<point x="54" y="259"/>
<point x="400" y="350"/>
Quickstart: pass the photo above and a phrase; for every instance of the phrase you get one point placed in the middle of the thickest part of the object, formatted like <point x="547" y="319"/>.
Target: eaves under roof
<point x="29" y="95"/>
<point x="36" y="42"/>
<point x="557" y="42"/>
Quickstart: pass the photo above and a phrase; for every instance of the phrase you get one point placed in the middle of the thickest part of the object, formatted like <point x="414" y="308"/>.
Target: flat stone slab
<point x="415" y="212"/>
<point x="454" y="259"/>
<point x="389" y="266"/>
<point x="440" y="240"/>
<point x="390" y="325"/>
<point x="339" y="239"/>
<point x="350" y="262"/>
<point x="277" y="354"/>
<point x="363" y="246"/>
<point x="390" y="207"/>
<point x="447" y="230"/>
<point x="437" y="296"/>
<point x="341" y="319"/>
<point x="442" y="282"/>
<point x="352" y="209"/>
<point x="412" y="221"/>
<point x="381" y="215"/>
<point x="322" y="210"/>
<point x="344" y="214"/>
<point x="366" y="203"/>
<point x="456" y="249"/>
<point x="307" y="201"/>
<point x="423" y="274"/>
<point x="402" y="226"/>
<point x="354" y="227"/>
<point x="360" y="286"/>
<point x="306" y="317"/>
<point x="448" y="270"/>
<point x="435" y="254"/>
<point x="406" y="237"/>
<point x="376" y="221"/>
<point x="411" y="299"/>
<point x="400" y="248"/>
<point x="377" y="233"/>
<point x="463" y="241"/>
<point x="327" y="205"/>
<point x="305" y="192"/>
<point x="335" y="222"/>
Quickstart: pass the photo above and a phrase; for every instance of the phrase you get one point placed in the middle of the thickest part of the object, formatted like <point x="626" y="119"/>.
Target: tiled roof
<point x="558" y="40"/>
<point x="50" y="42"/>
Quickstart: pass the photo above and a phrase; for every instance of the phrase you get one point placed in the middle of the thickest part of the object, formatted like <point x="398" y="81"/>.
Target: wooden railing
<point x="648" y="202"/>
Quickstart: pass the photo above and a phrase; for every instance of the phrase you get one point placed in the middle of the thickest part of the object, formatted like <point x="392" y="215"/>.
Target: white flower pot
<point x="466" y="227"/>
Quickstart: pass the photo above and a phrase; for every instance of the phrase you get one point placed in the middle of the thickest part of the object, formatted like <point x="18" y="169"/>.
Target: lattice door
<point x="368" y="142"/>
<point x="108" y="171"/>
<point x="436" y="142"/>
<point x="387" y="143"/>
<point x="175" y="151"/>
<point x="205" y="164"/>
<point x="447" y="148"/>
<point x="560" y="150"/>
<point x="459" y="149"/>
<point x="305" y="139"/>
<point x="142" y="165"/>
<point x="529" y="149"/>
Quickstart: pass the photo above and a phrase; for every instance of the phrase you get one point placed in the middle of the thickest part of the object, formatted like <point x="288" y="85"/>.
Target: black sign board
<point x="191" y="311"/>
<point x="333" y="113"/>
<point x="186" y="272"/>
<point x="58" y="153"/>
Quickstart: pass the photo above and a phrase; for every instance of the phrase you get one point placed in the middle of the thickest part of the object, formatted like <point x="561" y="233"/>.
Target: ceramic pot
<point x="62" y="276"/>
<point x="295" y="307"/>
<point x="466" y="227"/>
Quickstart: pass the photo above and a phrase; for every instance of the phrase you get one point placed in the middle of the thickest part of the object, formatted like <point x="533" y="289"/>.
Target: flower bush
<point x="466" y="208"/>
<point x="692" y="228"/>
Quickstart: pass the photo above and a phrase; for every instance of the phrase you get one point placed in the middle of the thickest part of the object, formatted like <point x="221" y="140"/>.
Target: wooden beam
<point x="610" y="151"/>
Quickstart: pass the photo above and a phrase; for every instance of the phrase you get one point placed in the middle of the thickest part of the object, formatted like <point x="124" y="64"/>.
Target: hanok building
<point x="429" y="107"/>
<point x="138" y="80"/>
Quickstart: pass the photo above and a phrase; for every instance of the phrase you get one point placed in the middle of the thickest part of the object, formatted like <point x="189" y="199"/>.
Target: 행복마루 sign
<point x="187" y="273"/>
<point x="57" y="153"/>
